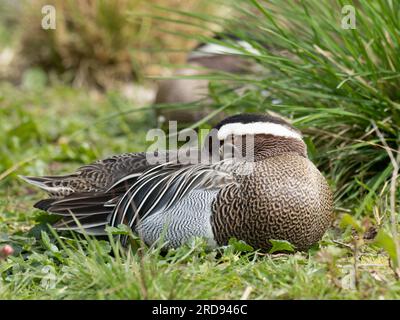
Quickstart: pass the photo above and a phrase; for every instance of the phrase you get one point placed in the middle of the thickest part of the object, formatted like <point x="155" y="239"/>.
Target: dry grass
<point x="103" y="42"/>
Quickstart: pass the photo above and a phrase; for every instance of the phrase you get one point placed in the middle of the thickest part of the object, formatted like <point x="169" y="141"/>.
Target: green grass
<point x="341" y="87"/>
<point x="87" y="271"/>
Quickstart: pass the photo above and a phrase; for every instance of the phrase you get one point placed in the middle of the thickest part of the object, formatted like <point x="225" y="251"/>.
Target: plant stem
<point x="393" y="182"/>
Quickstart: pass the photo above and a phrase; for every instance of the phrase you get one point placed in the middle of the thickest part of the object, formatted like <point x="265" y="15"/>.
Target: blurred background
<point x="101" y="44"/>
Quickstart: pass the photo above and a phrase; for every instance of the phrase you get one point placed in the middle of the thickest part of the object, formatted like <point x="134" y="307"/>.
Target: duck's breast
<point x="285" y="197"/>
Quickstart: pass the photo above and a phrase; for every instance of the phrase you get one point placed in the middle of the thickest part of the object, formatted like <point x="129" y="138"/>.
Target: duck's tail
<point x="82" y="212"/>
<point x="44" y="204"/>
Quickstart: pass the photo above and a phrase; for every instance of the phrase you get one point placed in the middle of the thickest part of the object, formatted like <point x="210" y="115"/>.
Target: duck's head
<point x="227" y="58"/>
<point x="269" y="135"/>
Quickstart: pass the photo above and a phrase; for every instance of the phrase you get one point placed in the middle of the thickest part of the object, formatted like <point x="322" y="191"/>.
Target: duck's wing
<point x="81" y="196"/>
<point x="92" y="178"/>
<point x="128" y="200"/>
<point x="123" y="188"/>
<point x="162" y="187"/>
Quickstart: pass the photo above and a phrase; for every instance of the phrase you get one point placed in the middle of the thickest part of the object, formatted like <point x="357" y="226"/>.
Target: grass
<point x="341" y="87"/>
<point x="89" y="272"/>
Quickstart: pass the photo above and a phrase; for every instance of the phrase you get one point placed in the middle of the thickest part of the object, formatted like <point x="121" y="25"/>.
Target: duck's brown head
<point x="261" y="135"/>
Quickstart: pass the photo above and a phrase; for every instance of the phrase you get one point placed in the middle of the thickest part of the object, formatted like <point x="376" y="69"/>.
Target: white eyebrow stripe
<point x="211" y="49"/>
<point x="240" y="129"/>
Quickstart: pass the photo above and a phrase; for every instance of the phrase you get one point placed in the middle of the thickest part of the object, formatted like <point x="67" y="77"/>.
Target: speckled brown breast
<point x="284" y="198"/>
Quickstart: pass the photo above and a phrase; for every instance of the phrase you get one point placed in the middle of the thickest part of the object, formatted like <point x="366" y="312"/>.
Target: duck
<point x="202" y="59"/>
<point x="253" y="182"/>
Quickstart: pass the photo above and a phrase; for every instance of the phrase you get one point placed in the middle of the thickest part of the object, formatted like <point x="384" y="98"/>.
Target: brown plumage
<point x="95" y="177"/>
<point x="293" y="196"/>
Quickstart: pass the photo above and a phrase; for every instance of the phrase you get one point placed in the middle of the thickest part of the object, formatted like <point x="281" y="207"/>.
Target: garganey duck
<point x="279" y="195"/>
<point x="200" y="61"/>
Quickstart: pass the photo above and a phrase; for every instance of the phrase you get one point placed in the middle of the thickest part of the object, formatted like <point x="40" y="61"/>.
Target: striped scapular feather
<point x="89" y="199"/>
